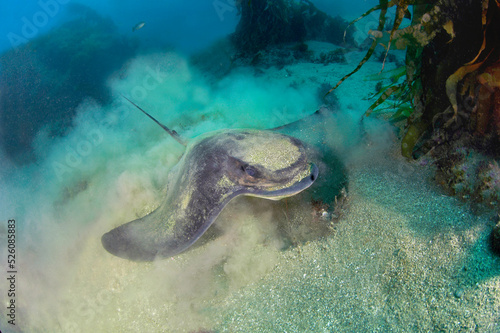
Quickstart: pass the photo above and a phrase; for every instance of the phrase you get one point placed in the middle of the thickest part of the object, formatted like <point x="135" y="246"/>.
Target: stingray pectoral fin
<point x="131" y="241"/>
<point x="150" y="238"/>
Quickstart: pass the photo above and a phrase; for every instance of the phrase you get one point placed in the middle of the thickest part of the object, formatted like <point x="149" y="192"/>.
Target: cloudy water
<point x="372" y="244"/>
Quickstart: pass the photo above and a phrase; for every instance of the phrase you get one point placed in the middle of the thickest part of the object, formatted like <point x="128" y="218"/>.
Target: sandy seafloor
<point x="404" y="257"/>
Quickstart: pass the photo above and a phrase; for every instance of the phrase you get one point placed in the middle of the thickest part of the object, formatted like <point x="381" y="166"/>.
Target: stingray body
<point x="215" y="168"/>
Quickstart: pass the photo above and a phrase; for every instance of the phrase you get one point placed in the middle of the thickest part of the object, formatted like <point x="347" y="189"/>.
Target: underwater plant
<point x="448" y="92"/>
<point x="452" y="56"/>
<point x="398" y="93"/>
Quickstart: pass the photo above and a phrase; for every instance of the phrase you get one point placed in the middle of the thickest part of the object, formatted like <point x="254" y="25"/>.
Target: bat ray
<point x="215" y="168"/>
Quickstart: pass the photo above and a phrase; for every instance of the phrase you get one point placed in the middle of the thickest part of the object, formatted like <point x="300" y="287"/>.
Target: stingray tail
<point x="172" y="133"/>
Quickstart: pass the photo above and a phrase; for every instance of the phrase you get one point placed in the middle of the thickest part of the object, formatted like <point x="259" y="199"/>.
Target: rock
<point x="268" y="23"/>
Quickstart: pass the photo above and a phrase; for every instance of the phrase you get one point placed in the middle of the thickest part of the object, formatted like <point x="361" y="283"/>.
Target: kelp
<point x="401" y="9"/>
<point x="368" y="12"/>
<point x="439" y="31"/>
<point x="417" y="34"/>
<point x="451" y="96"/>
<point x="383" y="10"/>
<point x="394" y="34"/>
<point x="397" y="92"/>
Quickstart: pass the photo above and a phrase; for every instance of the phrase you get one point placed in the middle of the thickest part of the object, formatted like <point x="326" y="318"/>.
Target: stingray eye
<point x="249" y="170"/>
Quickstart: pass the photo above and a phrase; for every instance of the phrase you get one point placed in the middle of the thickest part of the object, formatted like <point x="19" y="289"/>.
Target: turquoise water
<point x="398" y="255"/>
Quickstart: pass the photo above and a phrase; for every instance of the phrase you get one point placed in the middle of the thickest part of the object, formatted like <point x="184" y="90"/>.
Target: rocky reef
<point x="266" y="23"/>
<point x="43" y="81"/>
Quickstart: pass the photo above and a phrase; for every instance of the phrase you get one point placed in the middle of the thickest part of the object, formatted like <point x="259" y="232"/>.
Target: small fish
<point x="138" y="26"/>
